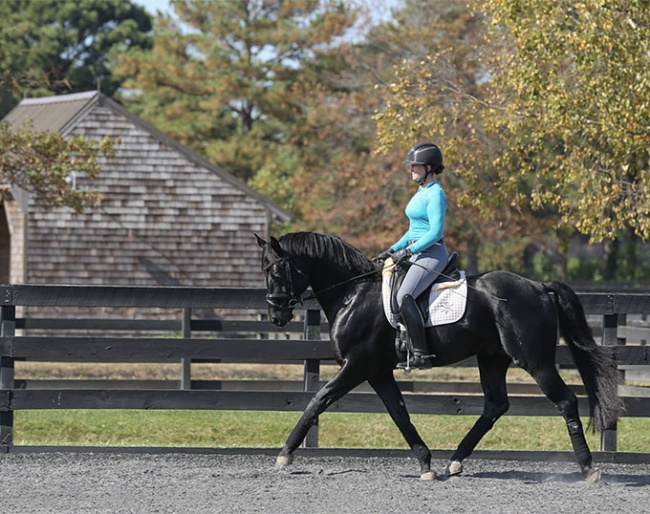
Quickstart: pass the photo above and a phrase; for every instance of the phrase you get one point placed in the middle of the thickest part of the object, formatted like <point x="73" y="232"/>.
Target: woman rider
<point x="422" y="244"/>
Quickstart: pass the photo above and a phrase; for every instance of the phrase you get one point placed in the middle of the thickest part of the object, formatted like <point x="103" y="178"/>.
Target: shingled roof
<point x="168" y="216"/>
<point x="53" y="113"/>
<point x="61" y="114"/>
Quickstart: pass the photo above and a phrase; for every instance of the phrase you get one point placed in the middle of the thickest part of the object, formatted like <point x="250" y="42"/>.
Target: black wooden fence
<point x="627" y="342"/>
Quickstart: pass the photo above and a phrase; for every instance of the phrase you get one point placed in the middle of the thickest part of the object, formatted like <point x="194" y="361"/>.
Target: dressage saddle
<point x="450" y="273"/>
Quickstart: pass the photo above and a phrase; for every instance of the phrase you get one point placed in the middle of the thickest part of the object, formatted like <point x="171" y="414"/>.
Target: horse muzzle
<point x="280" y="317"/>
<point x="281" y="308"/>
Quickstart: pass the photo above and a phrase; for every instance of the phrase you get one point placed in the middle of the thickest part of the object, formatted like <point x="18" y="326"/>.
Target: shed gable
<point x="166" y="216"/>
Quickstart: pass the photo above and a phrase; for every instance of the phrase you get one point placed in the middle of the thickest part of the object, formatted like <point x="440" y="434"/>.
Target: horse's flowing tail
<point x="596" y="367"/>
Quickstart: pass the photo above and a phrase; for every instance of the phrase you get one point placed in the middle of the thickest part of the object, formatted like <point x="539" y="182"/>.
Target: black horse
<point x="508" y="319"/>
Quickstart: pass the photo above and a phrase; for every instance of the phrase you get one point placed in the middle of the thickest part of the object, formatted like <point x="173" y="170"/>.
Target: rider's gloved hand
<point x="401" y="255"/>
<point x="384" y="255"/>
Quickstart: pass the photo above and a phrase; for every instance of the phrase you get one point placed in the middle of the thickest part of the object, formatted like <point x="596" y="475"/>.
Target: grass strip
<point x="270" y="429"/>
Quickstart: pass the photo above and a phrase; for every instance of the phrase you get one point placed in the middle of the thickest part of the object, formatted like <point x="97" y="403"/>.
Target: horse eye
<point x="293" y="302"/>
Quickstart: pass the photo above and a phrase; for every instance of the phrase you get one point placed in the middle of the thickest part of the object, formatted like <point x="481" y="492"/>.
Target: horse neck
<point x="332" y="285"/>
<point x="324" y="275"/>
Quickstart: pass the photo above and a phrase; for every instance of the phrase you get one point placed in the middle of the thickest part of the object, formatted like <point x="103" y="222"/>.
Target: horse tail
<point x="594" y="363"/>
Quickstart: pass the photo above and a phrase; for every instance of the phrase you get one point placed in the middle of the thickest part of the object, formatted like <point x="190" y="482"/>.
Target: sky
<point x="154" y="5"/>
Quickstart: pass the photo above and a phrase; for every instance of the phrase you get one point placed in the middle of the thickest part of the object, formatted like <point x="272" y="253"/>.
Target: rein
<point x="313" y="295"/>
<point x="294" y="299"/>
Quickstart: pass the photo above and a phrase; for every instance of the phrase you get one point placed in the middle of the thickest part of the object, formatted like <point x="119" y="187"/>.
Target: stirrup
<point x="418" y="361"/>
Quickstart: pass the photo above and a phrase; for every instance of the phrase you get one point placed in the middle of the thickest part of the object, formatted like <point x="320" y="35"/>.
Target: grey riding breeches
<point x="428" y="265"/>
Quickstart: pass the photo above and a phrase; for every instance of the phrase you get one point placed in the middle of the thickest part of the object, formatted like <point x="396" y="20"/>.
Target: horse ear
<point x="274" y="244"/>
<point x="260" y="241"/>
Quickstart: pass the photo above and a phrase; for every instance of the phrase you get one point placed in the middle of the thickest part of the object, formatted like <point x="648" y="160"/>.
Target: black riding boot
<point x="412" y="319"/>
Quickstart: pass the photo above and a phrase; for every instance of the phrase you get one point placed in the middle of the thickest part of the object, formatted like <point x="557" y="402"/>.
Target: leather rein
<point x="292" y="298"/>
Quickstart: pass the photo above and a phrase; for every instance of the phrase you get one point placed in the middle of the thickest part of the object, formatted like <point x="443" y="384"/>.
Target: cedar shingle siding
<point x="167" y="217"/>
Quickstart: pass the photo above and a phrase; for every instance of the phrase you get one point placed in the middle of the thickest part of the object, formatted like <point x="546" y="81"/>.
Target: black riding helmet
<point x="426" y="154"/>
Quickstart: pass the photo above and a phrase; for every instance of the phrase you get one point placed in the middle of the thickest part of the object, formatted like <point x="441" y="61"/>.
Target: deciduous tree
<point x="571" y="86"/>
<point x="41" y="163"/>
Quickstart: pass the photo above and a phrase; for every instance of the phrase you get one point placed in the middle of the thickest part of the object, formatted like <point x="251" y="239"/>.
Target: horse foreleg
<point x="493" y="371"/>
<point x="342" y="383"/>
<point x="389" y="393"/>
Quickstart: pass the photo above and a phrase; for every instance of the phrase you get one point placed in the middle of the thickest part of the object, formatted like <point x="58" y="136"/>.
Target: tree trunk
<point x="471" y="258"/>
<point x="562" y="260"/>
<point x="630" y="256"/>
<point x="611" y="259"/>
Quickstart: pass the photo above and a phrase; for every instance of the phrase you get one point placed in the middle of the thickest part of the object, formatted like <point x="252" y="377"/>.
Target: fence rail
<point x="235" y="344"/>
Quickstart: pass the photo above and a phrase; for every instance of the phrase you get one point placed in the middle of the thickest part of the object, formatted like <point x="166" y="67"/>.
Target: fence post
<point x="610" y="332"/>
<point x="311" y="379"/>
<point x="186" y="364"/>
<point x="7" y="329"/>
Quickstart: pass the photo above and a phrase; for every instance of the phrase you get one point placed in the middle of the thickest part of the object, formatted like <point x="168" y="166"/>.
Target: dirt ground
<point x="192" y="483"/>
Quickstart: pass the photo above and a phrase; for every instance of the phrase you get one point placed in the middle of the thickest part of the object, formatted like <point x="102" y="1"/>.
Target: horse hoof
<point x="592" y="476"/>
<point x="284" y="460"/>
<point x="428" y="475"/>
<point x="455" y="467"/>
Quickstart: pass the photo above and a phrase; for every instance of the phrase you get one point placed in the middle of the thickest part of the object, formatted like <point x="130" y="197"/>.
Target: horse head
<point x="285" y="283"/>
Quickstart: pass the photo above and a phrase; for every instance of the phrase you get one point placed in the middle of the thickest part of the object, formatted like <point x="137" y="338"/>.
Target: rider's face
<point x="417" y="172"/>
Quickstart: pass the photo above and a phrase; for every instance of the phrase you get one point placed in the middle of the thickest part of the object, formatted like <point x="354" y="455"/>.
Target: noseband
<point x="291" y="298"/>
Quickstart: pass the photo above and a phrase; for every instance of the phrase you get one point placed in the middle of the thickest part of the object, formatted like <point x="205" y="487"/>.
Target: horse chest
<point x="354" y="332"/>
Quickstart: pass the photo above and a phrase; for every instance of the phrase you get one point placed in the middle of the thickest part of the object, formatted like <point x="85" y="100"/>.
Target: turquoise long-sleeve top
<point x="426" y="213"/>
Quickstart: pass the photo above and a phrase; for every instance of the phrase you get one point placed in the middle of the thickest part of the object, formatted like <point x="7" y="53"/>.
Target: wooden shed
<point x="167" y="217"/>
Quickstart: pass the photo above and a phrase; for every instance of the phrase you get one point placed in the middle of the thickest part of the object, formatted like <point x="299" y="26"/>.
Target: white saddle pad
<point x="447" y="301"/>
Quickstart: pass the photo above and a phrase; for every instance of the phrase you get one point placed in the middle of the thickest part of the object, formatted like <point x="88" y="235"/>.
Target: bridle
<point x="291" y="298"/>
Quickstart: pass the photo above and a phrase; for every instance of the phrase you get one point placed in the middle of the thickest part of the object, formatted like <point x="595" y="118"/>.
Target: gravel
<point x="187" y="483"/>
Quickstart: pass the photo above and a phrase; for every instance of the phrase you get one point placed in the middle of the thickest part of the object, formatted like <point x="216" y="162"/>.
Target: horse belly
<point x="455" y="344"/>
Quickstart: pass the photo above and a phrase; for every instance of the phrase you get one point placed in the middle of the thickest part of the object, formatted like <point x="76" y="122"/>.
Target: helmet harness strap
<point x="428" y="170"/>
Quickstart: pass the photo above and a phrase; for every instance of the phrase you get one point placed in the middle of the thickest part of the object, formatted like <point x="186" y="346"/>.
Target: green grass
<point x="270" y="429"/>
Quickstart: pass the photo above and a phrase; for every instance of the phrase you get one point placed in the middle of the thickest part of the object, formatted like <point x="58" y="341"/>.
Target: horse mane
<point x="326" y="246"/>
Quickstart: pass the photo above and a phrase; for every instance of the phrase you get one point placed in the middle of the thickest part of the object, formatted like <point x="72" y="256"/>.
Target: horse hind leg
<point x="493" y="369"/>
<point x="565" y="400"/>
